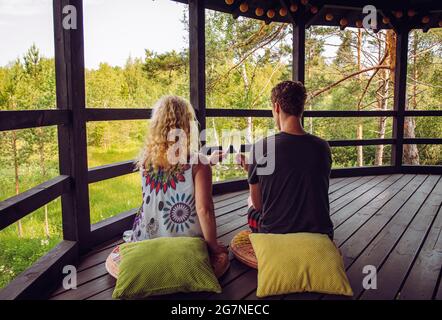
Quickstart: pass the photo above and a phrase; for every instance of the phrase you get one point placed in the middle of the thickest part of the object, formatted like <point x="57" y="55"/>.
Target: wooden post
<point x="298" y="52"/>
<point x="400" y="87"/>
<point x="298" y="64"/>
<point x="197" y="49"/>
<point x="72" y="148"/>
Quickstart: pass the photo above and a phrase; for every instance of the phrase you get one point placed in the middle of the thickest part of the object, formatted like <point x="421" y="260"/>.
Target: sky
<point x="114" y="29"/>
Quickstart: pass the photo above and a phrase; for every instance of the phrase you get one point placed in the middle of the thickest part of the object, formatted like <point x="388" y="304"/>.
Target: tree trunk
<point x="382" y="95"/>
<point x="41" y="152"/>
<point x="411" y="152"/>
<point x="245" y="78"/>
<point x="359" y="129"/>
<point x="16" y="176"/>
<point x="217" y="143"/>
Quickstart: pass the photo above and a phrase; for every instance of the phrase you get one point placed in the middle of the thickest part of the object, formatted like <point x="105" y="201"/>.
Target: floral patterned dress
<point x="168" y="208"/>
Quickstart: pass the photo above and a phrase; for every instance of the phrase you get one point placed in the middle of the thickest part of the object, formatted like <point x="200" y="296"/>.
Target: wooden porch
<point x="393" y="222"/>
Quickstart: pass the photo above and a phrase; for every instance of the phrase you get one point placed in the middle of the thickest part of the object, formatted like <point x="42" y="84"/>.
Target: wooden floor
<point x="392" y="222"/>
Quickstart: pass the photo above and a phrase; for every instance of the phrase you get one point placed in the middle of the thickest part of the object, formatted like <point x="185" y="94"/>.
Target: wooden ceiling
<point x="413" y="14"/>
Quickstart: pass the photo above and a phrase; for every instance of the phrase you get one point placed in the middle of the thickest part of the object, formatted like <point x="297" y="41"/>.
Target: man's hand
<point x="241" y="160"/>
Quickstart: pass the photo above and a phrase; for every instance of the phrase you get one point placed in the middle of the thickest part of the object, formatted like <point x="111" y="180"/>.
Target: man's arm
<point x="255" y="195"/>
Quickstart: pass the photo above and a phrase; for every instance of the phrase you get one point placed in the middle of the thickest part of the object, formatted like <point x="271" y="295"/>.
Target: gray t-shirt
<point x="295" y="195"/>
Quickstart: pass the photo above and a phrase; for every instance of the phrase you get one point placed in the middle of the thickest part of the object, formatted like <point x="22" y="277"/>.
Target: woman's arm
<point x="204" y="206"/>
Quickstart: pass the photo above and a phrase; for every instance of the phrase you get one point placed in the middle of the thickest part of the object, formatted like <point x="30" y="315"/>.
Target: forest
<point x="351" y="69"/>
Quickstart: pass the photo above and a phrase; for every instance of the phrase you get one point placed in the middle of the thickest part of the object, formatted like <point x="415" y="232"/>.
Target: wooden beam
<point x="112" y="227"/>
<point x="363" y="171"/>
<point x="265" y="113"/>
<point x="110" y="171"/>
<point x="422" y="140"/>
<point x="400" y="88"/>
<point x="197" y="50"/>
<point x="238" y="113"/>
<point x="298" y="62"/>
<point x="13" y="120"/>
<point x="70" y="85"/>
<point x="364" y="142"/>
<point x="286" y="5"/>
<point x="17" y="207"/>
<point x="420" y="169"/>
<point x="99" y="114"/>
<point x="423" y="113"/>
<point x="44" y="276"/>
<point x="348" y="114"/>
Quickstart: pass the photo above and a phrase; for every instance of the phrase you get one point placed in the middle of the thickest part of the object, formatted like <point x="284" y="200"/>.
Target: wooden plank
<point x="225" y="197"/>
<point x="112" y="227"/>
<point x="335" y="180"/>
<point x="344" y="181"/>
<point x="233" y="225"/>
<point x="229" y="217"/>
<point x="363" y="171"/>
<point x="240" y="204"/>
<point x="266" y="113"/>
<point x="72" y="144"/>
<point x="349" y="188"/>
<point x="197" y="61"/>
<point x="23" y="119"/>
<point x="88" y="289"/>
<point x="364" y="142"/>
<point x="41" y="278"/>
<point x="400" y="93"/>
<point x="298" y="49"/>
<point x="110" y="171"/>
<point x="401" y="258"/>
<point x="350" y="226"/>
<point x="423" y="113"/>
<point x="238" y="113"/>
<point x="411" y="169"/>
<point x="230" y="185"/>
<point x="340" y="216"/>
<point x="353" y="247"/>
<point x="110" y="114"/>
<point x="423" y="277"/>
<point x="238" y="289"/>
<point x="341" y="202"/>
<point x="17" y="207"/>
<point x="381" y="245"/>
<point x="422" y="141"/>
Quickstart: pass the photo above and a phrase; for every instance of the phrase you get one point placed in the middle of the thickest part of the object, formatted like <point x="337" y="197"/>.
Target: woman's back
<point x="168" y="208"/>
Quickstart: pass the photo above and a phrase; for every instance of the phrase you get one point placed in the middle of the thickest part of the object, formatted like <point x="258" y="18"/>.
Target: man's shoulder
<point x="319" y="140"/>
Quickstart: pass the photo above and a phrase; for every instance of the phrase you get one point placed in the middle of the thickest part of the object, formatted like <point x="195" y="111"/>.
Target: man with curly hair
<point x="294" y="197"/>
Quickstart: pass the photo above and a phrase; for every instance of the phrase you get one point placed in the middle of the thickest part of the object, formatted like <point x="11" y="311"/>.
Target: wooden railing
<point x="72" y="115"/>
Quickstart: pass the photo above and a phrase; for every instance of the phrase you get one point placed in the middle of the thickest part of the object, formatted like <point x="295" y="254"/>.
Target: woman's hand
<point x="218" y="248"/>
<point x="241" y="160"/>
<point x="217" y="156"/>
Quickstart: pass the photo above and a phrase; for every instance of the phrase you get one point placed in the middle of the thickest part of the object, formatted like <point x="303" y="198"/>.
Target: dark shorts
<point x="253" y="218"/>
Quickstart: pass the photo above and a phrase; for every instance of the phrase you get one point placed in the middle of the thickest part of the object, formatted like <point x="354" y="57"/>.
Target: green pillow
<point x="164" y="265"/>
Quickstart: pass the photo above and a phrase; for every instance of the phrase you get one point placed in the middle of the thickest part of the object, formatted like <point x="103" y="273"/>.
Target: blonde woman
<point x="177" y="198"/>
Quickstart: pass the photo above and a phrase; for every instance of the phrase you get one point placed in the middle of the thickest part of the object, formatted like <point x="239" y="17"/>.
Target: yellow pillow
<point x="298" y="262"/>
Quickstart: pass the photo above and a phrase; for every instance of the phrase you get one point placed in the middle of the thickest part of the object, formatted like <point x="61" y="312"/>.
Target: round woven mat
<point x="220" y="263"/>
<point x="242" y="249"/>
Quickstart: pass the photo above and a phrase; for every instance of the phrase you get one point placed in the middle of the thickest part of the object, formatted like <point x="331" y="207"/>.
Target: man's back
<point x="295" y="195"/>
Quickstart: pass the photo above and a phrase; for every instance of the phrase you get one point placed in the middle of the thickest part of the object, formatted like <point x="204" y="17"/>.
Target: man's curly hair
<point x="291" y="96"/>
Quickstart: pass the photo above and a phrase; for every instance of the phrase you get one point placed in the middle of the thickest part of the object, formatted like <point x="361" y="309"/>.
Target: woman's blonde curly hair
<point x="168" y="114"/>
